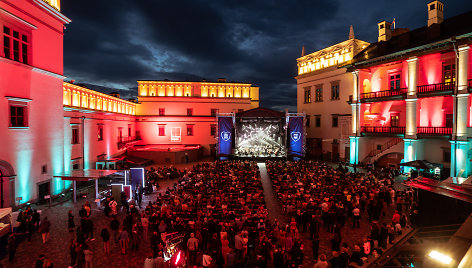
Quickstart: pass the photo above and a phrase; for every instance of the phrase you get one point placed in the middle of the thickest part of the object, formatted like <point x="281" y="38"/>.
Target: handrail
<point x="435" y="87"/>
<point x="435" y="130"/>
<point x="384" y="93"/>
<point x="383" y="129"/>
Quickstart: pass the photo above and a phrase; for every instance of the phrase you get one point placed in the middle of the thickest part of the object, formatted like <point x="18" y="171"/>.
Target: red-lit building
<point x="411" y="94"/>
<point x="31" y="77"/>
<point x="49" y="127"/>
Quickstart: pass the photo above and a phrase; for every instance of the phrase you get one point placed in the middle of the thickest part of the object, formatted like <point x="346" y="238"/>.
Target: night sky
<point x="114" y="43"/>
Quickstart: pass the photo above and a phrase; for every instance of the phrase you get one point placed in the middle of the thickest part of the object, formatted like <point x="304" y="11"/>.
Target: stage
<point x="260" y="134"/>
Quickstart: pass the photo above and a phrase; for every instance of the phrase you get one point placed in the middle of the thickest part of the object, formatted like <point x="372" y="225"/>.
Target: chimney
<point x="435" y="12"/>
<point x="385" y="31"/>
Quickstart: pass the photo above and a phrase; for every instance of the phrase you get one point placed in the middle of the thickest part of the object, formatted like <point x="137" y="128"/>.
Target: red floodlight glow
<point x="177" y="259"/>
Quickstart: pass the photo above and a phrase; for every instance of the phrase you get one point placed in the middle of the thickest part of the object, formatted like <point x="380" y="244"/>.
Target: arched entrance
<point x="7" y="175"/>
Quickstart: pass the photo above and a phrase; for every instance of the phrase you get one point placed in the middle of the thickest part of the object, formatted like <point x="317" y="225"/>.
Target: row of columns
<point x="412" y="146"/>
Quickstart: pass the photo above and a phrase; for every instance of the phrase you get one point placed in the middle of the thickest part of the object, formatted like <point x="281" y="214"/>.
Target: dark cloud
<point x="114" y="43"/>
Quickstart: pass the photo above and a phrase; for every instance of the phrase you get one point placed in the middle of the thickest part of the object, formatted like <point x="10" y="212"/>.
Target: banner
<point x="295" y="126"/>
<point x="225" y="139"/>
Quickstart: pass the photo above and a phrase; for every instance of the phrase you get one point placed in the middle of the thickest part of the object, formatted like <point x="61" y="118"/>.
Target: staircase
<point x="375" y="152"/>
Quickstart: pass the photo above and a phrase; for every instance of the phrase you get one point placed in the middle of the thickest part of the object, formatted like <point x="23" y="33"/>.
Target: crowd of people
<point x="320" y="198"/>
<point x="215" y="215"/>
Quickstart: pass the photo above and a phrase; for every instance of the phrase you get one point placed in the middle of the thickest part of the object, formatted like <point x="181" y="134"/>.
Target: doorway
<point x="43" y="190"/>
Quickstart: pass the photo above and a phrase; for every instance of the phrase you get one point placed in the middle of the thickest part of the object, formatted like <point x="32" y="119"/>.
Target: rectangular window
<point x="335" y="91"/>
<point x="100" y="132"/>
<point x="394" y="121"/>
<point x="162" y="130"/>
<point x="307" y="121"/>
<point x="335" y="121"/>
<point x="319" y="94"/>
<point x="394" y="80"/>
<point x="307" y="97"/>
<point x="214" y="112"/>
<point x="213" y="130"/>
<point x="162" y="111"/>
<point x="75" y="136"/>
<point x="318" y="121"/>
<point x="449" y="73"/>
<point x="15" y="45"/>
<point x="189" y="112"/>
<point x="129" y="131"/>
<point x="189" y="130"/>
<point x="18" y="116"/>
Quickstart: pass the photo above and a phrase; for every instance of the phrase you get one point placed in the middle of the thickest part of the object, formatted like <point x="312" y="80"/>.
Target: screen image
<point x="260" y="138"/>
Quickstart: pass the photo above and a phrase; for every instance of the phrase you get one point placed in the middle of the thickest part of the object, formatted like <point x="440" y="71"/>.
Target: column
<point x="460" y="164"/>
<point x="412" y="76"/>
<point x="460" y="129"/>
<point x="74" y="192"/>
<point x="409" y="151"/>
<point x="355" y="85"/>
<point x="462" y="69"/>
<point x="96" y="188"/>
<point x="354" y="150"/>
<point x="410" y="131"/>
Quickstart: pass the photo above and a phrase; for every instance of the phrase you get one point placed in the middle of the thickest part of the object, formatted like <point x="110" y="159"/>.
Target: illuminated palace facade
<point x="323" y="90"/>
<point x="49" y="127"/>
<point x="411" y="95"/>
<point x="171" y="113"/>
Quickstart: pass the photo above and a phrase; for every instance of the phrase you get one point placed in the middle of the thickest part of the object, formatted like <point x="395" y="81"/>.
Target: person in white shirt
<point x="356" y="212"/>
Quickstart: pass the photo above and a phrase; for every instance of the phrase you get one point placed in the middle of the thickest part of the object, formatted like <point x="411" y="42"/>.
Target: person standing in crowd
<point x="192" y="246"/>
<point x="72" y="252"/>
<point x="44" y="229"/>
<point x="88" y="257"/>
<point x="114" y="226"/>
<point x="106" y="240"/>
<point x="70" y="221"/>
<point x="113" y="205"/>
<point x="149" y="262"/>
<point x="356" y="220"/>
<point x="124" y="238"/>
<point x="322" y="263"/>
<point x="12" y="245"/>
<point x="159" y="261"/>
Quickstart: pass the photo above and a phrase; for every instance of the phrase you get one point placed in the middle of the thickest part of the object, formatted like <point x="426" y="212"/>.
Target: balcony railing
<point x="384" y="94"/>
<point x="435" y="130"/>
<point x="127" y="140"/>
<point x="433" y="88"/>
<point x="382" y="129"/>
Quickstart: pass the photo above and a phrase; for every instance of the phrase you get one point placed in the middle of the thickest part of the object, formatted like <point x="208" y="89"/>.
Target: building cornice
<point x="32" y="68"/>
<point x="17" y="19"/>
<point x="53" y="12"/>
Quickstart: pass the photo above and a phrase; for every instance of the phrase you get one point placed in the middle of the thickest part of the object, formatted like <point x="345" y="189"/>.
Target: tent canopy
<point x="85" y="174"/>
<point x="420" y="164"/>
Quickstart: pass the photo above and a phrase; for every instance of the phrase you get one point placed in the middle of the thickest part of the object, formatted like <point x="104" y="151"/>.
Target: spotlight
<point x="177" y="259"/>
<point x="438" y="256"/>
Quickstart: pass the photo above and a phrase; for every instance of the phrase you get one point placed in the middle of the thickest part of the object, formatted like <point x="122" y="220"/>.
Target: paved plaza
<point x="57" y="249"/>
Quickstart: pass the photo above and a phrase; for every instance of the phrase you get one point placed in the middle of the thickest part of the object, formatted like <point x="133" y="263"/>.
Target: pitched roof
<point x="414" y="42"/>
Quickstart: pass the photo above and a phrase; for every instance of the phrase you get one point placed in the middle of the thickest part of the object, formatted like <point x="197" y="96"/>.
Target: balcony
<point x="127" y="141"/>
<point x="435" y="89"/>
<point x="383" y="95"/>
<point x="441" y="131"/>
<point x="383" y="129"/>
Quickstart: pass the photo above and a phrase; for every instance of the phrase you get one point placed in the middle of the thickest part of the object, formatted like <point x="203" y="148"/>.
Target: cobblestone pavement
<point x="57" y="249"/>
